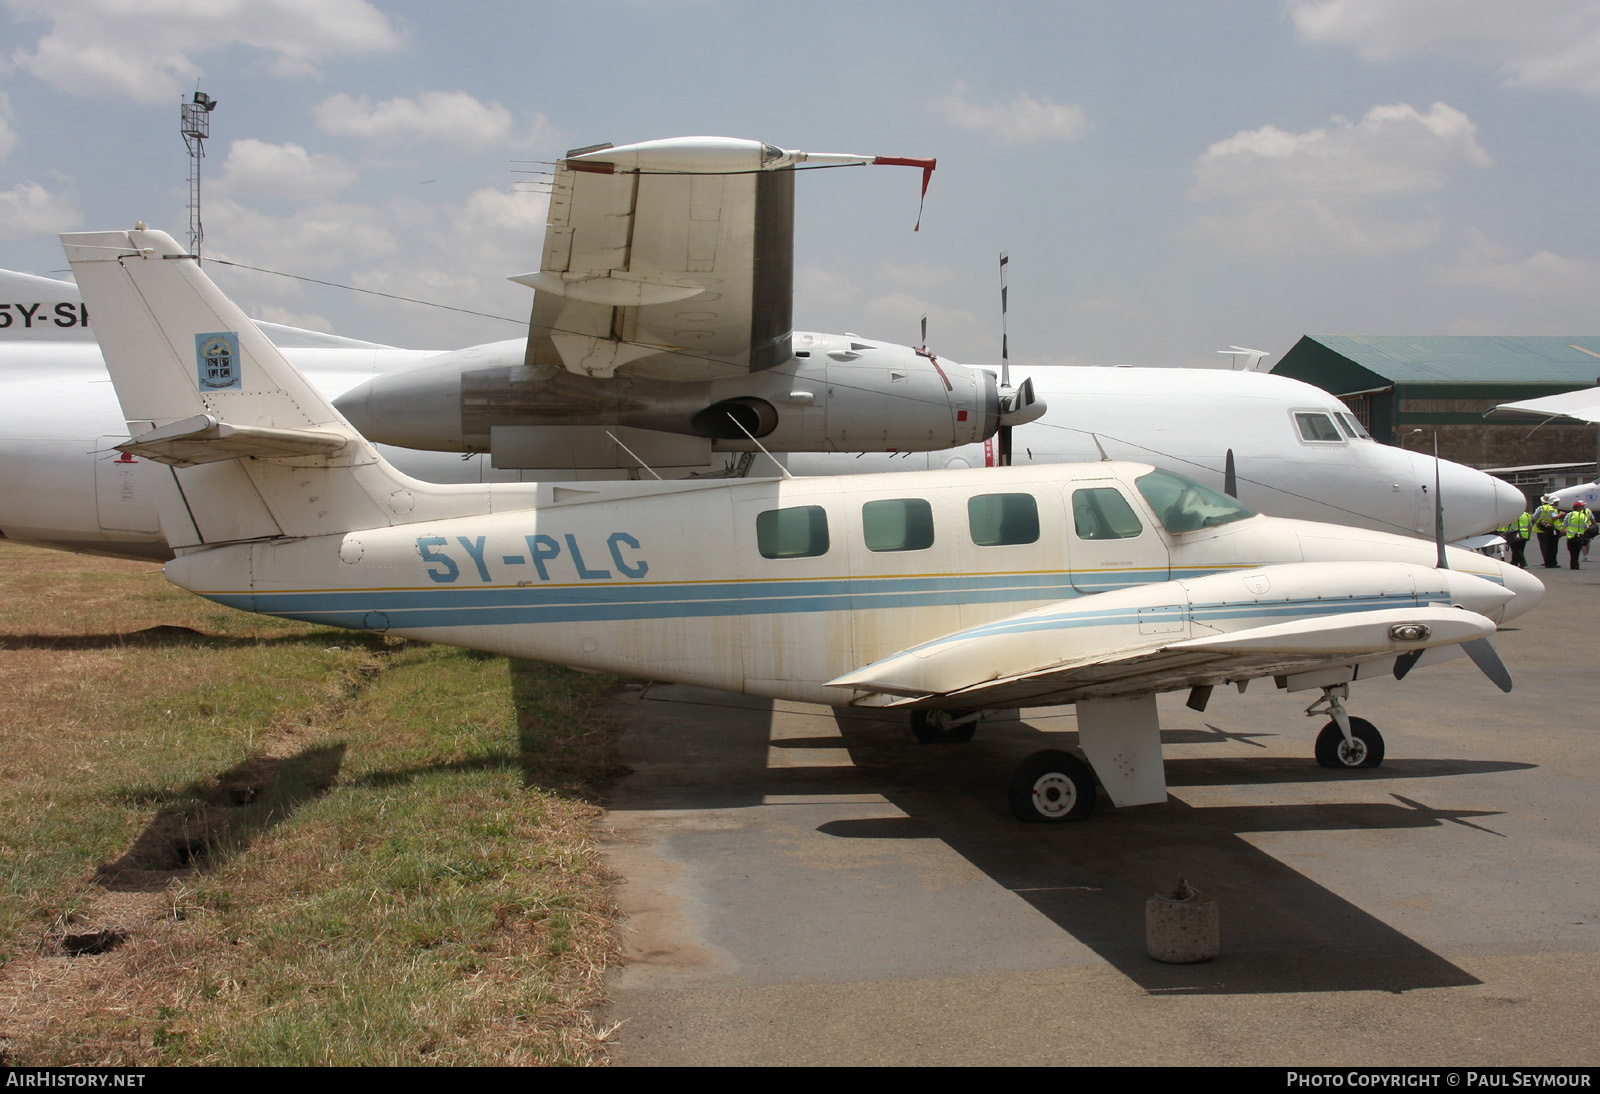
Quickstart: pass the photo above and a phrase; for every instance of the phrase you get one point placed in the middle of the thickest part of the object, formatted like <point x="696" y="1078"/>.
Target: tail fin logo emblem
<point x="217" y="361"/>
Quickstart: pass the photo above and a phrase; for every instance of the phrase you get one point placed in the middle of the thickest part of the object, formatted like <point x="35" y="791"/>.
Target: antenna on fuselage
<point x="1438" y="507"/>
<point x="761" y="446"/>
<point x="634" y="454"/>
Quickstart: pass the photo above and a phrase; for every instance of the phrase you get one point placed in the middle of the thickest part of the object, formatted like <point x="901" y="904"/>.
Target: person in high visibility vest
<point x="1517" y="534"/>
<point x="1578" y="526"/>
<point x="1547" y="524"/>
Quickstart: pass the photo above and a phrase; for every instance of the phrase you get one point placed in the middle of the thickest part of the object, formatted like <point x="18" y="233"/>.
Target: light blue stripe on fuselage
<point x="1267" y="612"/>
<point x="531" y="604"/>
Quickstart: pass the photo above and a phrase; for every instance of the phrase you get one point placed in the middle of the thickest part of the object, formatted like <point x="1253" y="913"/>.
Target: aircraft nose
<point x="1474" y="501"/>
<point x="1509" y="502"/>
<point x="1526" y="591"/>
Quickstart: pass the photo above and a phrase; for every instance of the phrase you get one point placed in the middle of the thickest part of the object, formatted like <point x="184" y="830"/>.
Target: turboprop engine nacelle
<point x="837" y="393"/>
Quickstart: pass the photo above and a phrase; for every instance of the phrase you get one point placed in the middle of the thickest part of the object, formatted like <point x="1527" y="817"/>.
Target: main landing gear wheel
<point x="943" y="727"/>
<point x="1052" y="787"/>
<point x="1364" y="749"/>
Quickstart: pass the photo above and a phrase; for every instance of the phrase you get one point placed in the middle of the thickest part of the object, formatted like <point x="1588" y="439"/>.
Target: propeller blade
<point x="923" y="345"/>
<point x="1487" y="658"/>
<point x="1005" y="341"/>
<point x="1438" y="528"/>
<point x="1230" y="479"/>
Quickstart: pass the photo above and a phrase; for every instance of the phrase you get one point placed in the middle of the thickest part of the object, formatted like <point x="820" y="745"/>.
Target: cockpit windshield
<point x="1183" y="505"/>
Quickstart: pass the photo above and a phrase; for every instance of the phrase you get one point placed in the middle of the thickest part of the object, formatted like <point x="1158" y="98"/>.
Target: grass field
<point x="237" y="840"/>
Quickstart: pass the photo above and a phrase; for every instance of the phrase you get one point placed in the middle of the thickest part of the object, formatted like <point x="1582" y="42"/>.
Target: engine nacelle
<point x="837" y="393"/>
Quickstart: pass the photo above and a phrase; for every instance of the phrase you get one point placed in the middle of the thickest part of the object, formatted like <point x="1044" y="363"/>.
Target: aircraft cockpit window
<point x="898" y="524"/>
<point x="1317" y="427"/>
<point x="1352" y="425"/>
<point x="1103" y="513"/>
<point x="999" y="519"/>
<point x="798" y="532"/>
<point x="1185" y="506"/>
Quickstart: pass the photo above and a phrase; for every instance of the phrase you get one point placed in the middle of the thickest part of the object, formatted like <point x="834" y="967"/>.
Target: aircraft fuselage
<point x="776" y="587"/>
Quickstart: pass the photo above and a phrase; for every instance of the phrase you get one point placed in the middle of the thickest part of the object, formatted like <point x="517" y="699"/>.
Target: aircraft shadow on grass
<point x="210" y="820"/>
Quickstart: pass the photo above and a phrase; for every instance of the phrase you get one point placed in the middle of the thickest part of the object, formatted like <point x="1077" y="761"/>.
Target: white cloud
<point x="450" y="117"/>
<point x="1485" y="264"/>
<point x="456" y="254"/>
<point x="275" y="313"/>
<point x="1533" y="43"/>
<point x="147" y="51"/>
<point x="29" y="209"/>
<point x="1020" y="121"/>
<point x="323" y="237"/>
<point x="918" y="276"/>
<point x="1349" y="186"/>
<point x="817" y="290"/>
<point x="283" y="171"/>
<point x="8" y="136"/>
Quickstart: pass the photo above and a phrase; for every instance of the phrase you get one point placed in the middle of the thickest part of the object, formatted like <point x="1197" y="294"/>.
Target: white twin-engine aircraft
<point x="938" y="592"/>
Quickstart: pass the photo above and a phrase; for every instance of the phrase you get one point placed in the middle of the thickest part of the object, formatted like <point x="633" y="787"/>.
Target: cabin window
<point x="898" y="524"/>
<point x="1183" y="505"/>
<point x="798" y="532"/>
<point x="1103" y="513"/>
<point x="998" y="519"/>
<point x="1317" y="427"/>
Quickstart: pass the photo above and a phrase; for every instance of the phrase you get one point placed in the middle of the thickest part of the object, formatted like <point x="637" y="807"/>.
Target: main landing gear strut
<point x="1121" y="738"/>
<point x="1345" y="742"/>
<point x="939" y="727"/>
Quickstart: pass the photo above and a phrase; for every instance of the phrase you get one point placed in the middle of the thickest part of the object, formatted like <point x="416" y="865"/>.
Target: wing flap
<point x="679" y="253"/>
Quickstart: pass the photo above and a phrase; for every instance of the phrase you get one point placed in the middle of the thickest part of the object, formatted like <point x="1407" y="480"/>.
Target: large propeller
<point x="1018" y="405"/>
<point x="1482" y="652"/>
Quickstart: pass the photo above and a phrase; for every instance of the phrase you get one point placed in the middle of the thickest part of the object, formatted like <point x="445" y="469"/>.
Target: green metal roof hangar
<point x="1406" y="388"/>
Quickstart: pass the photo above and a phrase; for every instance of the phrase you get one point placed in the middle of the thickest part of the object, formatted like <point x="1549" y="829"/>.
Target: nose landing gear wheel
<point x="1365" y="749"/>
<point x="1052" y="787"/>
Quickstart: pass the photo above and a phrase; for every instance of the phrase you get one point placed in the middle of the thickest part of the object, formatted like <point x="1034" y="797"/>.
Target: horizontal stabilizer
<point x="204" y="438"/>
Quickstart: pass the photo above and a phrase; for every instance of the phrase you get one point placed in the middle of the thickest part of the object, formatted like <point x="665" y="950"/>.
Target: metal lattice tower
<point x="196" y="122"/>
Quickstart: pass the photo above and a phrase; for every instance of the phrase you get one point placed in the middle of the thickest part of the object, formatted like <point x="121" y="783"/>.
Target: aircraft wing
<point x="1583" y="406"/>
<point x="671" y="259"/>
<point x="1281" y="621"/>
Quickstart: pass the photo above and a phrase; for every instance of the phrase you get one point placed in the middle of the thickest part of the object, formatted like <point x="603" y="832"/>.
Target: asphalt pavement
<point x="804" y="886"/>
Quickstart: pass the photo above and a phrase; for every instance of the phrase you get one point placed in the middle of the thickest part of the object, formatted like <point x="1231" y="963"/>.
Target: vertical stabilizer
<point x="254" y="451"/>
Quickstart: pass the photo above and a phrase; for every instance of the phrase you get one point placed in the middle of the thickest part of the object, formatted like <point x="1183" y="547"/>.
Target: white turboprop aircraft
<point x="547" y="403"/>
<point x="934" y="592"/>
<point x="1298" y="451"/>
<point x="660" y="321"/>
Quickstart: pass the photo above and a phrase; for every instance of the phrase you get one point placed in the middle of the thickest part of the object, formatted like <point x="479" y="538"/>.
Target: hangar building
<point x="1400" y="384"/>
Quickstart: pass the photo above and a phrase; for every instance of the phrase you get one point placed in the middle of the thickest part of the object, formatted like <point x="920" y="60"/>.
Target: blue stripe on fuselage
<point x="528" y="604"/>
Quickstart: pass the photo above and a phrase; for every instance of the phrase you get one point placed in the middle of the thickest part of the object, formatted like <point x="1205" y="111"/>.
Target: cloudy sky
<point x="1169" y="178"/>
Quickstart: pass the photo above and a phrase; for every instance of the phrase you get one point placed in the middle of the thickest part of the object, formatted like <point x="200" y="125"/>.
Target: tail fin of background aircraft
<point x="255" y="451"/>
